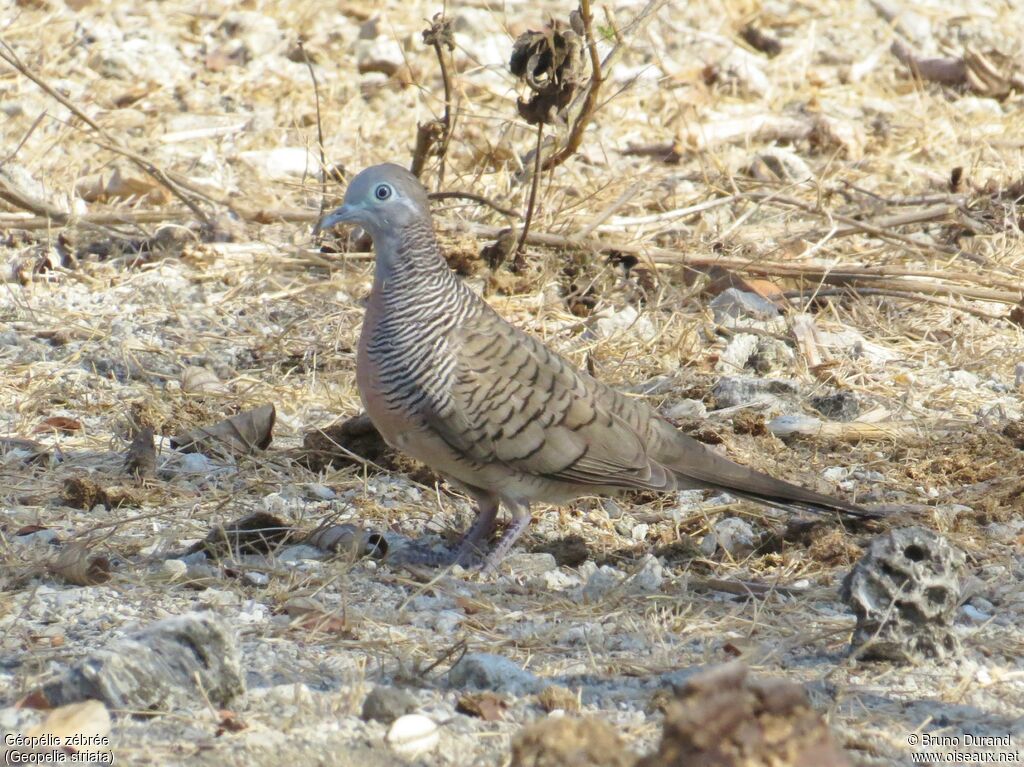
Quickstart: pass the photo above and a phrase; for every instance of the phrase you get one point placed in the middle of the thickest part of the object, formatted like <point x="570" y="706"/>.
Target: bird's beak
<point x="346" y="214"/>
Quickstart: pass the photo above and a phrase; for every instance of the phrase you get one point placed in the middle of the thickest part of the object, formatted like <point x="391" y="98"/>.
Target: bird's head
<point x="382" y="199"/>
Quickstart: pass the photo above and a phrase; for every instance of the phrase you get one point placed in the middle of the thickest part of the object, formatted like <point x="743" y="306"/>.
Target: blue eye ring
<point x="382" y="192"/>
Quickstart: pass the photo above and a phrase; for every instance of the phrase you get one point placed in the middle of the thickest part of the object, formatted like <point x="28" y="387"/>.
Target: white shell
<point x="413" y="734"/>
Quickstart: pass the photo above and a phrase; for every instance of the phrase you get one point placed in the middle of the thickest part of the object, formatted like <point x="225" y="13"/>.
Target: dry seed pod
<point x="77" y="565"/>
<point x="349" y="540"/>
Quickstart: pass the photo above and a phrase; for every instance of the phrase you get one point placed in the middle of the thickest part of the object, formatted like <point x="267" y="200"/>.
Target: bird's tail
<point x="699" y="467"/>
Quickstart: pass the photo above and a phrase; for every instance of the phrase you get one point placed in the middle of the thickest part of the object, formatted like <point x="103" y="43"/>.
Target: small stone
<point x="322" y="492"/>
<point x="386" y="704"/>
<point x="530" y="563"/>
<point x="483" y="671"/>
<point x="733" y="304"/>
<point x="173" y="663"/>
<point x="708" y="545"/>
<point x="841" y="405"/>
<point x="601" y="583"/>
<point x="555" y="580"/>
<point x="963" y="378"/>
<point x="904" y="592"/>
<point x="413" y="734"/>
<point x="283" y="163"/>
<point x="771" y="354"/>
<point x="790" y="425"/>
<point x="173" y="569"/>
<point x="687" y="408"/>
<point x="382" y="55"/>
<point x="610" y="322"/>
<point x="735" y="391"/>
<point x="736" y="354"/>
<point x="648" y="578"/>
<point x="975" y="615"/>
<point x="777" y="164"/>
<point x="735" y="537"/>
<point x="301" y="552"/>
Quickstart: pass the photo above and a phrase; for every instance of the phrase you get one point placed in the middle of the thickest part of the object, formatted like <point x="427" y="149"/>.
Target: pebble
<point x="649" y="577"/>
<point x="734" y="536"/>
<point x="161" y="667"/>
<point x="413" y="735"/>
<point x="734" y="391"/>
<point x="387" y="704"/>
<point x="601" y="583"/>
<point x="736" y="354"/>
<point x="841" y="405"/>
<point x="733" y="304"/>
<point x="687" y="408"/>
<point x="382" y="55"/>
<point x="527" y="563"/>
<point x="788" y="425"/>
<point x="608" y="323"/>
<point x="484" y="671"/>
<point x="300" y="552"/>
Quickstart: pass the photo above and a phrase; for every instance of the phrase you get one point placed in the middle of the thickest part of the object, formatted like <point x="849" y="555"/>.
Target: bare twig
<point x="437" y="132"/>
<point x="519" y="262"/>
<point x="477" y="198"/>
<point x="908" y="296"/>
<point x="319" y="131"/>
<point x="918" y="282"/>
<point x="7" y="54"/>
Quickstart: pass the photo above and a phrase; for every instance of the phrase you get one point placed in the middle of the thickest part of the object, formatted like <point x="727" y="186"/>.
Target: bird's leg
<point x="474" y="541"/>
<point x="520" y="521"/>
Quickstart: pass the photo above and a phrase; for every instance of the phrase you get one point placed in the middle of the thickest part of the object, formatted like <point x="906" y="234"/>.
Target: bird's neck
<point x="409" y="263"/>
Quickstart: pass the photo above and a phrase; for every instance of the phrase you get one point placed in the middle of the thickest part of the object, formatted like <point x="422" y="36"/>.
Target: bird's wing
<point x="515" y="402"/>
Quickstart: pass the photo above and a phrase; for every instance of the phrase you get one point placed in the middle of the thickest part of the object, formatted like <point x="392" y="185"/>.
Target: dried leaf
<point x="488" y="706"/>
<point x="550" y="63"/>
<point x="59" y="423"/>
<point x="244" y="434"/>
<point x="77" y="565"/>
<point x="256" y="533"/>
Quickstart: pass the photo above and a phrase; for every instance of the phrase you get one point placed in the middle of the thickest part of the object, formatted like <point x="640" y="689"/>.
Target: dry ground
<point x="100" y="325"/>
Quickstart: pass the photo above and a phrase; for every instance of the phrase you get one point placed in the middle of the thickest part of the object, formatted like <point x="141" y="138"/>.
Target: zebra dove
<point x="448" y="381"/>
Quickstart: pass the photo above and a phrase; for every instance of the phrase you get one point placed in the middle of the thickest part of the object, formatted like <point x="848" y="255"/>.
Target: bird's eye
<point x="382" y="192"/>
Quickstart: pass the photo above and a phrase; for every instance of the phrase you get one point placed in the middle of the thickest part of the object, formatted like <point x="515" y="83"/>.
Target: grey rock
<point x="737" y="353"/>
<point x="602" y="581"/>
<point x="734" y="391"/>
<point x="735" y="537"/>
<point x="687" y="408"/>
<point x="840" y="405"/>
<point x="648" y="578"/>
<point x="173" y="663"/>
<point x="483" y="671"/>
<point x="905" y="591"/>
<point x="386" y="704"/>
<point x="734" y="303"/>
<point x="771" y="354"/>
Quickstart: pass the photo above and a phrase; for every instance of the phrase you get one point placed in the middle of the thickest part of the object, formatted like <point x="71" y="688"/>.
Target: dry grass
<point x="104" y="337"/>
